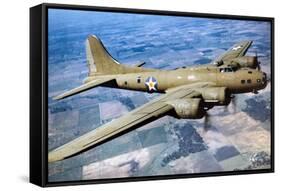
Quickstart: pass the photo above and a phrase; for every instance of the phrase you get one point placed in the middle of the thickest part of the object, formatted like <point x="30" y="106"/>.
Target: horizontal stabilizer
<point x="84" y="87"/>
<point x="237" y="50"/>
<point x="140" y="64"/>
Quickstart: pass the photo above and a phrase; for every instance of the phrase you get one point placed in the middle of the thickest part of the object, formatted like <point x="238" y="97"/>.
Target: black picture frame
<point x="39" y="90"/>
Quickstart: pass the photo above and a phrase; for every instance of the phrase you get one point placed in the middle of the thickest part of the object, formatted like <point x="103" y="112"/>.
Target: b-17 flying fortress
<point x="186" y="93"/>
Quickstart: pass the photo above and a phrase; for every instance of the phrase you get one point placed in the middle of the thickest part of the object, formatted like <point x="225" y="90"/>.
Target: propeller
<point x="257" y="61"/>
<point x="268" y="78"/>
<point x="207" y="122"/>
<point x="207" y="118"/>
<point x="232" y="103"/>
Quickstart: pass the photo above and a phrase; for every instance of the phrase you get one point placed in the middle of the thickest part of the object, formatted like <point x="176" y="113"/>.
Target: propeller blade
<point x="257" y="60"/>
<point x="226" y="110"/>
<point x="234" y="103"/>
<point x="268" y="79"/>
<point x="258" y="66"/>
<point x="207" y="124"/>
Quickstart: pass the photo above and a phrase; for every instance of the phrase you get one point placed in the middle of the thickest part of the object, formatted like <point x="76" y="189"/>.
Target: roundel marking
<point x="151" y="84"/>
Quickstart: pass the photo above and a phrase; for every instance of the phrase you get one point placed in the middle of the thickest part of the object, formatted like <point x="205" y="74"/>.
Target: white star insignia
<point x="151" y="84"/>
<point x="236" y="47"/>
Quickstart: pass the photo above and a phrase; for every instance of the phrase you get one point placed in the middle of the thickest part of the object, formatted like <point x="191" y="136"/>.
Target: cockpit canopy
<point x="218" y="62"/>
<point x="227" y="69"/>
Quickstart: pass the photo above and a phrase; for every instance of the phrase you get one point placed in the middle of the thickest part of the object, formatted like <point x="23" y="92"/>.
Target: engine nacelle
<point x="244" y="61"/>
<point x="216" y="95"/>
<point x="188" y="108"/>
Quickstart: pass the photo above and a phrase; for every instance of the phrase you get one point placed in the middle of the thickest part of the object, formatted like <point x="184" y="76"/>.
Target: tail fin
<point x="98" y="59"/>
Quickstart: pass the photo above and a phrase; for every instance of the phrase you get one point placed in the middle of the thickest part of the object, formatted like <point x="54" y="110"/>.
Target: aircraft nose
<point x="264" y="80"/>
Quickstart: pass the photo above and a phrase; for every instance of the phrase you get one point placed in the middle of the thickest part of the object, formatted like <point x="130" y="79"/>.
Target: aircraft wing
<point x="84" y="87"/>
<point x="237" y="50"/>
<point x="150" y="111"/>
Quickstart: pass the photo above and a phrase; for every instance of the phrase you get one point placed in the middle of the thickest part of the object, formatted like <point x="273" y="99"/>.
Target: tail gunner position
<point x="186" y="92"/>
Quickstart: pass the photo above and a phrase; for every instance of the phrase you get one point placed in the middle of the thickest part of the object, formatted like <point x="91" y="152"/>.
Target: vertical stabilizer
<point x="98" y="58"/>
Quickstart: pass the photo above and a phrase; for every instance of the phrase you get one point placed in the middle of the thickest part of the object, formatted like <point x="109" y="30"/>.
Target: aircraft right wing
<point x="237" y="50"/>
<point x="148" y="112"/>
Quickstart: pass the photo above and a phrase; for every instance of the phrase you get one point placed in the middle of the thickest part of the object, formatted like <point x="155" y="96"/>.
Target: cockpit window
<point x="227" y="69"/>
<point x="218" y="63"/>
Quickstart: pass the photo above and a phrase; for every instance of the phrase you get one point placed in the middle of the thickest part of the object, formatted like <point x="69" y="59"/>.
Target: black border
<point x="39" y="100"/>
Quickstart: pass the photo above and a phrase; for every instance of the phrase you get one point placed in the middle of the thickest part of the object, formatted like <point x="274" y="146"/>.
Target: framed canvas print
<point x="127" y="95"/>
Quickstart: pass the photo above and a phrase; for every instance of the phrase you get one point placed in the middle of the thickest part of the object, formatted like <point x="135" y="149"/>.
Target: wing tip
<point x="56" y="98"/>
<point x="52" y="157"/>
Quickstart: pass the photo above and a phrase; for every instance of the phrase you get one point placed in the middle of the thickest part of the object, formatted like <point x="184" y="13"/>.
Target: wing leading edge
<point x="148" y="112"/>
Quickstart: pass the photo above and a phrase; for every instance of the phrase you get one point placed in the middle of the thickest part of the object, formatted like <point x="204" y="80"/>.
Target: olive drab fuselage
<point x="152" y="80"/>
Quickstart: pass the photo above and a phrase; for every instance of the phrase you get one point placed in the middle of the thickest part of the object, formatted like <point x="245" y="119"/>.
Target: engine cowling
<point x="216" y="95"/>
<point x="188" y="108"/>
<point x="245" y="61"/>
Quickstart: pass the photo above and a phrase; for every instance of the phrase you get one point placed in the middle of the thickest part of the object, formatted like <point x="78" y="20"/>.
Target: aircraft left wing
<point x="237" y="50"/>
<point x="148" y="112"/>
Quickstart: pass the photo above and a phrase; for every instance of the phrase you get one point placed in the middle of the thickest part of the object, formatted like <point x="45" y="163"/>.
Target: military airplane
<point x="186" y="93"/>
